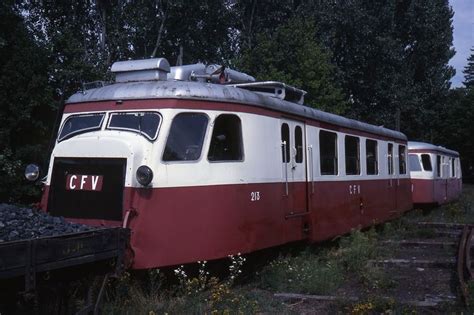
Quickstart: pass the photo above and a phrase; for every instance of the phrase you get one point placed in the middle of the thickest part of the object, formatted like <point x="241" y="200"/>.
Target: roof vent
<point x="211" y="73"/>
<point x="275" y="89"/>
<point x="141" y="70"/>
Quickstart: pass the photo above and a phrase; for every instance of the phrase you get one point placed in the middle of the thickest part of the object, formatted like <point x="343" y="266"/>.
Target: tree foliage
<point x="291" y="54"/>
<point x="469" y="71"/>
<point x="26" y="107"/>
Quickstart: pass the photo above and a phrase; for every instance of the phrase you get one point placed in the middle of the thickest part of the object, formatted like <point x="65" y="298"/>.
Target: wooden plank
<point x="315" y="297"/>
<point x="459" y="226"/>
<point x="421" y="243"/>
<point x="446" y="263"/>
<point x="429" y="300"/>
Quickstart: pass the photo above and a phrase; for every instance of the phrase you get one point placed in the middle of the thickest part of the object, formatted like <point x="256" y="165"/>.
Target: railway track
<point x="431" y="267"/>
<point x="443" y="249"/>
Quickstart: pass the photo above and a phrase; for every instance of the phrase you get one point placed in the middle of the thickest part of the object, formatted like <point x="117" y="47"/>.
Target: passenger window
<point x="328" y="152"/>
<point x="351" y="145"/>
<point x="426" y="160"/>
<point x="185" y="137"/>
<point x="285" y="141"/>
<point x="390" y="159"/>
<point x="299" y="144"/>
<point x="371" y="157"/>
<point x="402" y="165"/>
<point x="415" y="165"/>
<point x="438" y="166"/>
<point x="226" y="141"/>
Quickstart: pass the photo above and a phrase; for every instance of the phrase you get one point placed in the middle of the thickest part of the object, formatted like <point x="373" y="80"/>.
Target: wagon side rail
<point x="25" y="258"/>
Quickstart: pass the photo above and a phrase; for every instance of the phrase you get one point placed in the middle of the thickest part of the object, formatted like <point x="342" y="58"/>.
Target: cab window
<point x="426" y="161"/>
<point x="415" y="165"/>
<point x="186" y="137"/>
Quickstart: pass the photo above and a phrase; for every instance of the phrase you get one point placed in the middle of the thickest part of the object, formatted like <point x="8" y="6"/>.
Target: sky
<point x="463" y="24"/>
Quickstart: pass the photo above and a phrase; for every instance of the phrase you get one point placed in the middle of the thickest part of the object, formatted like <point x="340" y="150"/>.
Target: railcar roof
<point x="222" y="93"/>
<point x="415" y="145"/>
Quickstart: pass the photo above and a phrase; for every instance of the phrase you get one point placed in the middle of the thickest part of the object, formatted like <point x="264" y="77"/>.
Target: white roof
<point x="415" y="145"/>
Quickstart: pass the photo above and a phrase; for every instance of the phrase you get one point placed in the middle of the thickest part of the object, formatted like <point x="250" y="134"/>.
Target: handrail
<point x="310" y="151"/>
<point x="285" y="162"/>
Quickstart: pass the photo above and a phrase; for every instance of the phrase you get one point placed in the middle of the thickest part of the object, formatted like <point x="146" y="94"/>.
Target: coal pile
<point x="18" y="223"/>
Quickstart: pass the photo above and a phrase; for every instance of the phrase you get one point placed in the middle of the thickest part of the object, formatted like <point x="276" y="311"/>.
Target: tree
<point x="292" y="55"/>
<point x="392" y="58"/>
<point x="469" y="71"/>
<point x="26" y="111"/>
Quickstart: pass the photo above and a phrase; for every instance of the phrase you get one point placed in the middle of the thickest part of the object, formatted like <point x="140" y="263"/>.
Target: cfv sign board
<point x="84" y="182"/>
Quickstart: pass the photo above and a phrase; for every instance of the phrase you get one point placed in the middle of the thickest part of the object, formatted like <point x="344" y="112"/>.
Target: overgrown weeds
<point x="322" y="272"/>
<point x="199" y="294"/>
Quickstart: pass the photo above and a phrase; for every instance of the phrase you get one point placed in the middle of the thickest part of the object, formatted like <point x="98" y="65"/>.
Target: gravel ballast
<point x="17" y="223"/>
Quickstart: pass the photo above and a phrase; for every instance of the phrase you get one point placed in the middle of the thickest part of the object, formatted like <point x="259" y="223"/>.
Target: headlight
<point x="32" y="172"/>
<point x="144" y="175"/>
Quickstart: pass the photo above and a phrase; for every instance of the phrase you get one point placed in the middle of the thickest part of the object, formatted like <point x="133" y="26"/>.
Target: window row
<point x="329" y="153"/>
<point x="426" y="166"/>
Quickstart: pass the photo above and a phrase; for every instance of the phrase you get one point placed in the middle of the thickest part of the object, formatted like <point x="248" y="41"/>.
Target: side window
<point x="285" y="141"/>
<point x="415" y="165"/>
<point x="390" y="158"/>
<point x="299" y="144"/>
<point x="351" y="145"/>
<point x="402" y="164"/>
<point x="426" y="160"/>
<point x="438" y="165"/>
<point x="186" y="137"/>
<point x="328" y="152"/>
<point x="453" y="169"/>
<point x="371" y="157"/>
<point x="226" y="142"/>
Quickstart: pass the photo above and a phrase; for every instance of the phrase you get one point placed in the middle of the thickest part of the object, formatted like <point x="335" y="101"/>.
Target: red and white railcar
<point x="202" y="162"/>
<point x="435" y="173"/>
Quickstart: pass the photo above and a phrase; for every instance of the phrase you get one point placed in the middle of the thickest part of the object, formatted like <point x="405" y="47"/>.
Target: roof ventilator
<point x="211" y="73"/>
<point x="141" y="70"/>
<point x="275" y="89"/>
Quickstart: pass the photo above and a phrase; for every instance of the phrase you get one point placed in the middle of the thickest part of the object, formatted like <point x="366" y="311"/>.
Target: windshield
<point x="415" y="165"/>
<point x="145" y="123"/>
<point x="80" y="123"/>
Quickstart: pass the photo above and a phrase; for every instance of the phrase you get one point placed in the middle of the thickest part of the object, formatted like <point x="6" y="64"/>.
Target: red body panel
<point x="436" y="191"/>
<point x="180" y="225"/>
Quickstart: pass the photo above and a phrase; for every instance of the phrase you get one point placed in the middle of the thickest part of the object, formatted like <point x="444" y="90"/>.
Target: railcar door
<point x="294" y="167"/>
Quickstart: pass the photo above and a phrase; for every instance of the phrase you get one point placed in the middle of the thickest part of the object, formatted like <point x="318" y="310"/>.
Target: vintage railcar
<point x="435" y="174"/>
<point x="201" y="162"/>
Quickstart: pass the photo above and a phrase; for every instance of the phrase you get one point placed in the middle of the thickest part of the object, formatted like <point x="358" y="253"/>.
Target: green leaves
<point x="292" y="54"/>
